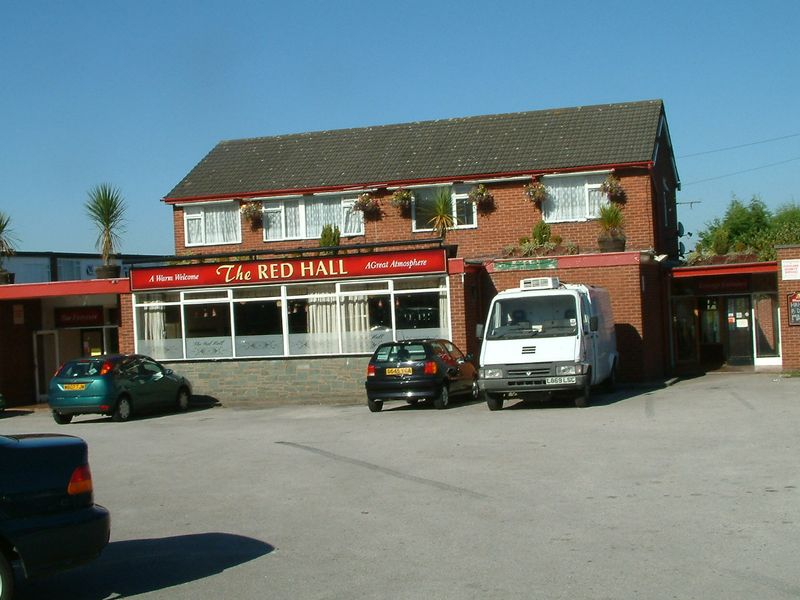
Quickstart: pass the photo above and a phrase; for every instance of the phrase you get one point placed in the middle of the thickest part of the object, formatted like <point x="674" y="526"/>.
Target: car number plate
<point x="399" y="371"/>
<point x="559" y="380"/>
<point x="74" y="386"/>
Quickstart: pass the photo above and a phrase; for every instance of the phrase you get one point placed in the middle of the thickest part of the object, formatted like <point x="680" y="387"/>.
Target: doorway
<point x="46" y="360"/>
<point x="739" y="326"/>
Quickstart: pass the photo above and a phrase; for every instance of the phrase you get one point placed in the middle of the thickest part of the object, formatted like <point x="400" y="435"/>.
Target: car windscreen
<point x="533" y="316"/>
<point x="400" y="353"/>
<point x="81" y="368"/>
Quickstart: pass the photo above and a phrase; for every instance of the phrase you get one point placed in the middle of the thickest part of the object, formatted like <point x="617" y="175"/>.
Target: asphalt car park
<point x="684" y="491"/>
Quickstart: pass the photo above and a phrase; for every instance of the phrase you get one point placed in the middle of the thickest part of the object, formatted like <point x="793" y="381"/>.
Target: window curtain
<point x="273" y="226"/>
<point x="321" y="212"/>
<point x="194" y="230"/>
<point x="154" y="330"/>
<point x="572" y="198"/>
<point x="322" y="325"/>
<point x="444" y="316"/>
<point x="221" y="223"/>
<point x="353" y="220"/>
<point x="355" y="310"/>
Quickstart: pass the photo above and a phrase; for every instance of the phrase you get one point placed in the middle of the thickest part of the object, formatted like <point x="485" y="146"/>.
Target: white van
<point x="547" y="336"/>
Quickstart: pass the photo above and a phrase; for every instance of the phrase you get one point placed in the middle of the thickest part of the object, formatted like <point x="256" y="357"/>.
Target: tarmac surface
<point x="686" y="491"/>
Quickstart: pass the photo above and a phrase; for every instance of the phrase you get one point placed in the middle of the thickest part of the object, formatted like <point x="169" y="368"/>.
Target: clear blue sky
<point x="136" y="93"/>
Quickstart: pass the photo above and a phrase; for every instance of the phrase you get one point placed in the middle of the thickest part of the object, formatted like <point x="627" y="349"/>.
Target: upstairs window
<point x="304" y="218"/>
<point x="212" y="224"/>
<point x="573" y="197"/>
<point x="463" y="211"/>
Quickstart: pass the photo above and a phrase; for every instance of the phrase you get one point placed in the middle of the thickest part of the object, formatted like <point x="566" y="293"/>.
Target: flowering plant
<point x="481" y="195"/>
<point x="612" y="187"/>
<point x="371" y="207"/>
<point x="401" y="198"/>
<point x="535" y="191"/>
<point x="251" y="211"/>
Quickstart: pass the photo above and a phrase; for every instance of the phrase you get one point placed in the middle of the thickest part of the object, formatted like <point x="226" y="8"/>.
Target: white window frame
<point x="457" y="192"/>
<point x="276" y="205"/>
<point x="200" y="216"/>
<point x="588" y="215"/>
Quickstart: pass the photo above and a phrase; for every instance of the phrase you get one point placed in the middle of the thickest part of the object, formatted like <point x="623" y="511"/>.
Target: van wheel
<point x="61" y="419"/>
<point x="583" y="399"/>
<point x="374" y="405"/>
<point x="123" y="411"/>
<point x="494" y="403"/>
<point x="443" y="399"/>
<point x="6" y="578"/>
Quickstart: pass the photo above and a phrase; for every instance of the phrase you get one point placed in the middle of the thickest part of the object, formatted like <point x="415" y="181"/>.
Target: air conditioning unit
<point x="539" y="283"/>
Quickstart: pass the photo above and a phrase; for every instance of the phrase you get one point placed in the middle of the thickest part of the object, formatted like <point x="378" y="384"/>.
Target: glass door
<point x="739" y="328"/>
<point x="767" y="329"/>
<point x="684" y="330"/>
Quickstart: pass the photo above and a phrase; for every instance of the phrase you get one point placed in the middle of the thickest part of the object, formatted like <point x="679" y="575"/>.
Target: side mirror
<point x="168" y="371"/>
<point x="593" y="323"/>
<point x="479" y="331"/>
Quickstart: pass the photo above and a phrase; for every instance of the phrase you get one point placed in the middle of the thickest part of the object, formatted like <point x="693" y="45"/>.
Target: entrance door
<point x="45" y="356"/>
<point x="684" y="329"/>
<point x="740" y="330"/>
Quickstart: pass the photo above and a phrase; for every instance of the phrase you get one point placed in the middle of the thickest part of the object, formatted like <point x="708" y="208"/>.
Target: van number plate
<point x="559" y="380"/>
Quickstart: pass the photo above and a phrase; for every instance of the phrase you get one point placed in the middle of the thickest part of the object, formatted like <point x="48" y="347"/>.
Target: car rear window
<point x="82" y="368"/>
<point x="401" y="352"/>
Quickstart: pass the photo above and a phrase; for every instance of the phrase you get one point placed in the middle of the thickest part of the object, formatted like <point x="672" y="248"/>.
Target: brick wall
<point x="513" y="218"/>
<point x="126" y="338"/>
<point x="790" y="335"/>
<point x="261" y="382"/>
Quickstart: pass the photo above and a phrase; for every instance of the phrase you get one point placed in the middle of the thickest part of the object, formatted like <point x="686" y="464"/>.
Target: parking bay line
<point x="373" y="467"/>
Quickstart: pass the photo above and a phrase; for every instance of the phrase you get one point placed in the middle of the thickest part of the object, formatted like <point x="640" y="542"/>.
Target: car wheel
<point x="610" y="384"/>
<point x="6" y="578"/>
<point x="583" y="399"/>
<point x="374" y="405"/>
<point x="475" y="392"/>
<point x="183" y="399"/>
<point x="494" y="403"/>
<point x="124" y="410"/>
<point x="412" y="401"/>
<point x="443" y="399"/>
<point x="61" y="419"/>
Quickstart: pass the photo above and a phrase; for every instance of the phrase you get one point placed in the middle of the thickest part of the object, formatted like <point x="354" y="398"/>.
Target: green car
<point x="116" y="385"/>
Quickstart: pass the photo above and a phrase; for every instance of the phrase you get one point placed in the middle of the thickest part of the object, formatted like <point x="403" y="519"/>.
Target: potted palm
<point x="7" y="242"/>
<point x="105" y="207"/>
<point x="441" y="213"/>
<point x="612" y="232"/>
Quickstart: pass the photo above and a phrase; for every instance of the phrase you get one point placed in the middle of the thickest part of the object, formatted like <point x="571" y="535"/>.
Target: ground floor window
<point x="290" y="320"/>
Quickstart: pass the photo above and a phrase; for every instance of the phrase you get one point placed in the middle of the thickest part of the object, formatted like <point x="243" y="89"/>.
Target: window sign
<point x="794" y="308"/>
<point x="790" y="269"/>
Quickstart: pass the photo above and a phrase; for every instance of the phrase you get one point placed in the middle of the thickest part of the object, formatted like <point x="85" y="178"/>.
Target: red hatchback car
<point x="421" y="369"/>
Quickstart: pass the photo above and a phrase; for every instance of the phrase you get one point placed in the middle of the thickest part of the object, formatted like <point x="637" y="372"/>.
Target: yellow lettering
<point x="262" y="272"/>
<point x="306" y="269"/>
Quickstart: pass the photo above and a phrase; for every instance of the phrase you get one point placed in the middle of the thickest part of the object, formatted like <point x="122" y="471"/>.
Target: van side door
<point x="589" y="337"/>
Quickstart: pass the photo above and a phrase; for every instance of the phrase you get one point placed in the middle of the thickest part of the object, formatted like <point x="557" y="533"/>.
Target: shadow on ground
<point x="133" y="567"/>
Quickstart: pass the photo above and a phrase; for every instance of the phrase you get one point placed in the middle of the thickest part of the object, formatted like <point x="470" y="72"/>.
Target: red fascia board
<point x="717" y="270"/>
<point x="86" y="287"/>
<point x="399" y="183"/>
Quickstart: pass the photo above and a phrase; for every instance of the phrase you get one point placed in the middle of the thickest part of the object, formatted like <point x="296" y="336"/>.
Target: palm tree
<point x="441" y="212"/>
<point x="7" y="240"/>
<point x="106" y="208"/>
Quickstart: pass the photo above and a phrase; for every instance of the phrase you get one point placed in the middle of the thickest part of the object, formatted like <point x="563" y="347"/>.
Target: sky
<point x="135" y="94"/>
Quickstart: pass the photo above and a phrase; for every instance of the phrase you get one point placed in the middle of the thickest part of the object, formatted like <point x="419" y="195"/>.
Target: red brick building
<point x="253" y="309"/>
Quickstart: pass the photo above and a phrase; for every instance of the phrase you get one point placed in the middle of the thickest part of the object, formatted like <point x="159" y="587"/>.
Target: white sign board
<point x="790" y="269"/>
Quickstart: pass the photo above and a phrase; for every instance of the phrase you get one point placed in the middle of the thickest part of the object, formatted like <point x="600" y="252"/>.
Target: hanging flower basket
<point x="369" y="206"/>
<point x="536" y="192"/>
<point x="481" y="197"/>
<point x="252" y="213"/>
<point x="401" y="198"/>
<point x="612" y="187"/>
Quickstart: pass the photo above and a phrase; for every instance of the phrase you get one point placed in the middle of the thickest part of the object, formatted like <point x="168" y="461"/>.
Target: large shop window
<point x="573" y="197"/>
<point x="304" y="218"/>
<point x="211" y="224"/>
<point x="463" y="211"/>
<point x="290" y="320"/>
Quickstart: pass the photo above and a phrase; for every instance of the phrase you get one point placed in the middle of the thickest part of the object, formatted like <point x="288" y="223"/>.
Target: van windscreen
<point x="539" y="316"/>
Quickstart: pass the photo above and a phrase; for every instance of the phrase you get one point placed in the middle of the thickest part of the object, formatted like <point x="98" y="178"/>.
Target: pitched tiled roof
<point x="537" y="141"/>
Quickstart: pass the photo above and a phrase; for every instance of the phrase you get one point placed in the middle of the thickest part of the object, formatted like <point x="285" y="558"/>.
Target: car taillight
<point x="107" y="366"/>
<point x="370" y="370"/>
<point x="430" y="367"/>
<point x="80" y="482"/>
